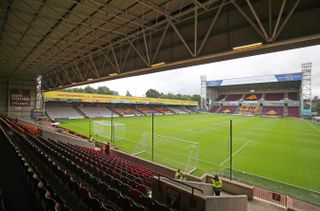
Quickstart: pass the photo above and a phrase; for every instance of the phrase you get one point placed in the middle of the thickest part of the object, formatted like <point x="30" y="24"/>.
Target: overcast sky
<point x="187" y="80"/>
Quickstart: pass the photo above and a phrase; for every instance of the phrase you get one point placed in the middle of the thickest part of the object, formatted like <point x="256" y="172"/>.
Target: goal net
<point x="102" y="128"/>
<point x="173" y="152"/>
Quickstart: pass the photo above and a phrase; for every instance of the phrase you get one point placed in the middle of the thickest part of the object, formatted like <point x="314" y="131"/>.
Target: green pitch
<point x="285" y="151"/>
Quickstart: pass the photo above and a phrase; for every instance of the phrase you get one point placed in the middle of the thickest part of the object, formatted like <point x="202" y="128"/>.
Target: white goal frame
<point x="144" y="147"/>
<point x="102" y="128"/>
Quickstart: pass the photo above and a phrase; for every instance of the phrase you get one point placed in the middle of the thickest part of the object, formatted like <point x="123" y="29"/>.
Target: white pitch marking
<point x="312" y="125"/>
<point x="236" y="152"/>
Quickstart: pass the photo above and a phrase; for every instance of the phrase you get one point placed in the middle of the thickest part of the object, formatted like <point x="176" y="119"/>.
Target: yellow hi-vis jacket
<point x="217" y="184"/>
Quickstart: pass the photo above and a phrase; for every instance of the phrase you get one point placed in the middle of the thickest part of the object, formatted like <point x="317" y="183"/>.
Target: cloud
<point x="187" y="80"/>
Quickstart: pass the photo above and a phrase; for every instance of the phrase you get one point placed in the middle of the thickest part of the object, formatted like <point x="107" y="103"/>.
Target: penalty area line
<point x="236" y="152"/>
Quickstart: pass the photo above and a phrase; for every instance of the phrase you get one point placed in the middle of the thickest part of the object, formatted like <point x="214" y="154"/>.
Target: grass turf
<point x="284" y="150"/>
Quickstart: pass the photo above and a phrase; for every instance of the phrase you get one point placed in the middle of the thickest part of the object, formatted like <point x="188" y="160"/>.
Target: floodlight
<point x="158" y="64"/>
<point x="249" y="46"/>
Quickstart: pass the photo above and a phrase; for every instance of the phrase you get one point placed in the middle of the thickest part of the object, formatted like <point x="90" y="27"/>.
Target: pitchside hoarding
<point x="257" y="79"/>
<point x="20" y="97"/>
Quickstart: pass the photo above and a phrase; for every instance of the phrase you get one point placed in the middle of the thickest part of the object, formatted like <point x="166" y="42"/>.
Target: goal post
<point x="107" y="129"/>
<point x="173" y="152"/>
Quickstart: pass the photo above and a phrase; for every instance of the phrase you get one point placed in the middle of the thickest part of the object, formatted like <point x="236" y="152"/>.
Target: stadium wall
<point x="17" y="106"/>
<point x="182" y="197"/>
<point x="3" y="95"/>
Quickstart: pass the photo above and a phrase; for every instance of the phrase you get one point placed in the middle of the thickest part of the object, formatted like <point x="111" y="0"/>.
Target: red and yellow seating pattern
<point x="249" y="109"/>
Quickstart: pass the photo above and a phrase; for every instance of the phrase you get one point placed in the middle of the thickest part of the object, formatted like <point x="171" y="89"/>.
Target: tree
<point x="196" y="98"/>
<point x="153" y="93"/>
<point x="128" y="93"/>
<point x="77" y="90"/>
<point x="316" y="104"/>
<point x="104" y="90"/>
<point x="89" y="89"/>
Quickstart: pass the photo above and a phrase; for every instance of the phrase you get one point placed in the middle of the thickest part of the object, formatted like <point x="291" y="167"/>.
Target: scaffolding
<point x="306" y="94"/>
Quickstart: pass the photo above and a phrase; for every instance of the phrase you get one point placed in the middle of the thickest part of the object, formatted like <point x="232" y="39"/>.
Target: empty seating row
<point x="249" y="110"/>
<point x="220" y="97"/>
<point x="293" y="96"/>
<point x="293" y="111"/>
<point x="128" y="111"/>
<point x="233" y="97"/>
<point x="164" y="110"/>
<point x="257" y="96"/>
<point x="228" y="109"/>
<point x="65" y="112"/>
<point x="214" y="109"/>
<point x="274" y="96"/>
<point x="147" y="110"/>
<point x="97" y="112"/>
<point x="276" y="111"/>
<point x="178" y="110"/>
<point x="115" y="188"/>
<point x="44" y="193"/>
<point x="118" y="182"/>
<point x="252" y="97"/>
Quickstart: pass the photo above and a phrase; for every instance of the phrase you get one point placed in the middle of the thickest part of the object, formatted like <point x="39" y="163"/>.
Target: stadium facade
<point x="271" y="95"/>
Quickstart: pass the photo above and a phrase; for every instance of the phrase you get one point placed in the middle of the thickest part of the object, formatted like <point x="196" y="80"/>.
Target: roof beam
<point x="157" y="9"/>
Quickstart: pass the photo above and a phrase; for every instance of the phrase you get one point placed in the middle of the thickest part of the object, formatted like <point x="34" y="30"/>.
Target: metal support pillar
<point x="230" y="174"/>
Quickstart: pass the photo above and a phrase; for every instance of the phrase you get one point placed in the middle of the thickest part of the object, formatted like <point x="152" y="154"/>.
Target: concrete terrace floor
<point x="260" y="205"/>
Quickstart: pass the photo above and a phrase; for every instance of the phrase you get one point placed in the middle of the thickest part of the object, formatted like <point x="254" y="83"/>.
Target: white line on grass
<point x="312" y="125"/>
<point x="236" y="152"/>
<point x="279" y="181"/>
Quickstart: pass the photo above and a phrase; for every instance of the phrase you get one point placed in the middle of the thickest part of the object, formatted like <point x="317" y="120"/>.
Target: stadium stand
<point x="178" y="110"/>
<point x="228" y="109"/>
<point x="233" y="97"/>
<point x="126" y="111"/>
<point x="293" y="96"/>
<point x="164" y="110"/>
<point x="276" y="111"/>
<point x="214" y="109"/>
<point x="220" y="97"/>
<point x="97" y="111"/>
<point x="252" y="97"/>
<point x="65" y="112"/>
<point x="97" y="180"/>
<point x="100" y="105"/>
<point x="274" y="96"/>
<point x="147" y="110"/>
<point x="293" y="111"/>
<point x="249" y="110"/>
<point x="189" y="109"/>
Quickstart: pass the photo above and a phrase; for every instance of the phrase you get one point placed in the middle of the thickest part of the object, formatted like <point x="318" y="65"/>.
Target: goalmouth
<point x="108" y="130"/>
<point x="173" y="152"/>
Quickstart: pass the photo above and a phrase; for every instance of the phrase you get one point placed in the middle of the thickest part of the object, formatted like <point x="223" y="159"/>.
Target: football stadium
<point x="249" y="143"/>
